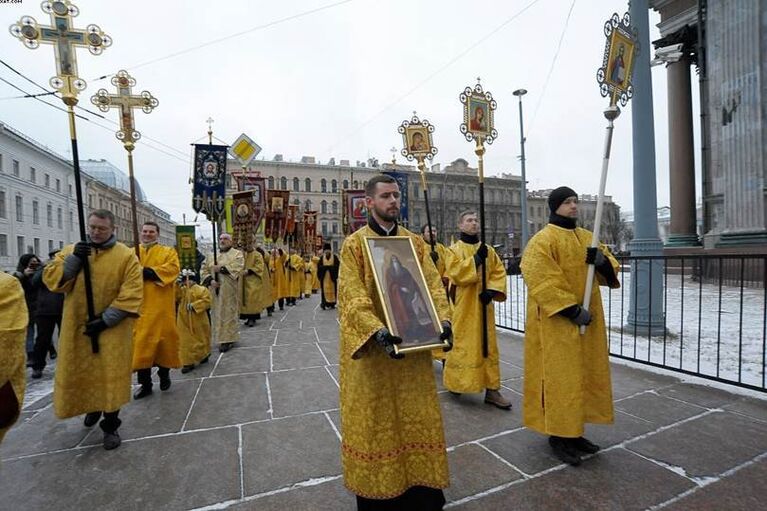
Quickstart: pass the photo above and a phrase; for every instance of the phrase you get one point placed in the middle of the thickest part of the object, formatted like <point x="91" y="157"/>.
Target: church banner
<point x="291" y="220"/>
<point x="310" y="231"/>
<point x="355" y="213"/>
<point x="258" y="186"/>
<point x="244" y="226"/>
<point x="402" y="181"/>
<point x="210" y="180"/>
<point x="186" y="246"/>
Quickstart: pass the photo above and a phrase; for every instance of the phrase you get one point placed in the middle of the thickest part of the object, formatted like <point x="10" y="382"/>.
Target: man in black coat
<point x="47" y="317"/>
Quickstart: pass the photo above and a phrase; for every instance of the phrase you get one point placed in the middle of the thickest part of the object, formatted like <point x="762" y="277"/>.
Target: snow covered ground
<point x="700" y="336"/>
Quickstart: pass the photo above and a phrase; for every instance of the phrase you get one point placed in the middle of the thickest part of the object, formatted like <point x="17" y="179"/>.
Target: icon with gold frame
<point x="614" y="76"/>
<point x="478" y="114"/>
<point x="417" y="139"/>
<point x="403" y="294"/>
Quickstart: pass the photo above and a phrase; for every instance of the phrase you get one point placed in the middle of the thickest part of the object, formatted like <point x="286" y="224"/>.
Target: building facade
<point x="38" y="210"/>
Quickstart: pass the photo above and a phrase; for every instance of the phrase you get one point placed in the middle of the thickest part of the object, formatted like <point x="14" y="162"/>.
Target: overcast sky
<point x="337" y="82"/>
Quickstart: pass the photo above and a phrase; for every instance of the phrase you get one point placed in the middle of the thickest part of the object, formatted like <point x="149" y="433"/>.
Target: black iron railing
<point x="707" y="316"/>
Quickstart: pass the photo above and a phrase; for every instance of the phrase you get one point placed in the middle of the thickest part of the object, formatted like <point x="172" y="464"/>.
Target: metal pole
<point x="525" y="228"/>
<point x="480" y="151"/>
<point x="81" y="222"/>
<point x="215" y="254"/>
<point x="422" y="168"/>
<point x="134" y="216"/>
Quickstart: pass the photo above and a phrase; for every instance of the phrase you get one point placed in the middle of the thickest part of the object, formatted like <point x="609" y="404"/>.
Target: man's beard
<point x="386" y="217"/>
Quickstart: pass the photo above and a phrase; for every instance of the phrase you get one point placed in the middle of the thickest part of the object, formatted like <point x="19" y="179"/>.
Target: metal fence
<point x="710" y="311"/>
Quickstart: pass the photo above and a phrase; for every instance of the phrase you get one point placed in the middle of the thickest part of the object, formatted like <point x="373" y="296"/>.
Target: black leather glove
<point x="224" y="271"/>
<point x="82" y="250"/>
<point x="447" y="335"/>
<point x="386" y="340"/>
<point x="206" y="282"/>
<point x="434" y="256"/>
<point x="480" y="255"/>
<point x="95" y="327"/>
<point x="486" y="296"/>
<point x="595" y="256"/>
<point x="149" y="274"/>
<point x="577" y="315"/>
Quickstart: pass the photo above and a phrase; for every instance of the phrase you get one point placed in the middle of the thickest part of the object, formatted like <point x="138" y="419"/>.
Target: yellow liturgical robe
<point x="266" y="297"/>
<point x="315" y="278"/>
<point x="225" y="310"/>
<point x="155" y="339"/>
<point x="329" y="269"/>
<point x="390" y="415"/>
<point x="296" y="278"/>
<point x="193" y="325"/>
<point x="252" y="281"/>
<point x="466" y="370"/>
<point x="567" y="375"/>
<point x="13" y="332"/>
<point x="441" y="250"/>
<point x="308" y="278"/>
<point x="87" y="382"/>
<point x="279" y="275"/>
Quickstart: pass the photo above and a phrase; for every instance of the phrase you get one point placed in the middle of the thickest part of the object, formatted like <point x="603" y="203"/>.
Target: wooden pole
<point x="480" y="152"/>
<point x="134" y="215"/>
<point x="422" y="168"/>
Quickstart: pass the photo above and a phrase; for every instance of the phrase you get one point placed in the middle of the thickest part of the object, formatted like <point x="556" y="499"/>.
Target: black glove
<point x="434" y="256"/>
<point x="447" y="335"/>
<point x="486" y="296"/>
<point x="480" y="255"/>
<point x="577" y="315"/>
<point x="95" y="327"/>
<point x="250" y="272"/>
<point x="82" y="250"/>
<point x="224" y="271"/>
<point x="149" y="274"/>
<point x="387" y="341"/>
<point x="595" y="256"/>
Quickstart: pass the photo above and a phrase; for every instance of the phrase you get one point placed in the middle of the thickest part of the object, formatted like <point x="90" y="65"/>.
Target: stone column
<point x="683" y="232"/>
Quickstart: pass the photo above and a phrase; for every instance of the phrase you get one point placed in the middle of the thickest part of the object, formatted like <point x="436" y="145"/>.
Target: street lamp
<point x="525" y="232"/>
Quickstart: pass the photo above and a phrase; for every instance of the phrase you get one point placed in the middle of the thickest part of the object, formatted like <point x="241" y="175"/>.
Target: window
<point x="335" y="227"/>
<point x="324" y="185"/>
<point x="32" y="174"/>
<point x="334" y="186"/>
<point x="47" y="181"/>
<point x="2" y="204"/>
<point x="295" y="184"/>
<point x="49" y="215"/>
<point x="308" y="184"/>
<point x="1" y="162"/>
<point x="324" y="207"/>
<point x="20" y="245"/>
<point x="50" y="246"/>
<point x="16" y="173"/>
<point x="90" y="200"/>
<point x="3" y="245"/>
<point x="71" y="221"/>
<point x="283" y="183"/>
<point x="58" y="185"/>
<point x="19" y="211"/>
<point x="307" y="205"/>
<point x="324" y="228"/>
<point x="59" y="218"/>
<point x="271" y="182"/>
<point x="335" y="207"/>
<point x="61" y="244"/>
<point x="346" y="184"/>
<point x="70" y="190"/>
<point x="356" y="185"/>
<point x="37" y="246"/>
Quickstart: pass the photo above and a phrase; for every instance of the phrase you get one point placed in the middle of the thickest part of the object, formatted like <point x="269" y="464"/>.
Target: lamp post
<point x="525" y="233"/>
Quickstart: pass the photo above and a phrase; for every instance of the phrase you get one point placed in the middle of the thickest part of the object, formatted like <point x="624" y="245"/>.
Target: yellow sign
<point x="244" y="149"/>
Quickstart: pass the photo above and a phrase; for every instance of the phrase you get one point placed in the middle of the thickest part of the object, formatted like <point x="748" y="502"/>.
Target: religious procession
<point x="332" y="343"/>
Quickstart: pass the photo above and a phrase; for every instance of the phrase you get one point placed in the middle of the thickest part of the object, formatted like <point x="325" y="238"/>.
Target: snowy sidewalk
<point x="258" y="428"/>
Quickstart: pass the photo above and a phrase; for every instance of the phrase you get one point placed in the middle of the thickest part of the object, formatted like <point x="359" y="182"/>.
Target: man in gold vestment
<point x="467" y="369"/>
<point x="86" y="382"/>
<point x="277" y="264"/>
<point x="567" y="372"/>
<point x="13" y="329"/>
<point x="267" y="291"/>
<point x="192" y="321"/>
<point x="155" y="339"/>
<point x="224" y="282"/>
<point x="393" y="445"/>
<point x="251" y="283"/>
<point x="439" y="256"/>
<point x="327" y="272"/>
<point x="294" y="268"/>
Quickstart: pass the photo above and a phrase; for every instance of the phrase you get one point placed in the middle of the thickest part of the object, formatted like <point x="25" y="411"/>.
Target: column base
<point x="747" y="238"/>
<point x="646" y="299"/>
<point x="683" y="240"/>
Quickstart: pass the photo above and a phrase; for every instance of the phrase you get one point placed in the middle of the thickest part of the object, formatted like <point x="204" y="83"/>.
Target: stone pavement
<point x="258" y="428"/>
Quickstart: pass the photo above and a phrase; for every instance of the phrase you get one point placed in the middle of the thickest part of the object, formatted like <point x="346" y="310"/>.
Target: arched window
<point x="307" y="205"/>
<point x="271" y="182"/>
<point x="324" y="206"/>
<point x="307" y="185"/>
<point x="334" y="186"/>
<point x="324" y="185"/>
<point x="335" y="207"/>
<point x="356" y="184"/>
<point x="346" y="184"/>
<point x="296" y="201"/>
<point x="283" y="183"/>
<point x="295" y="184"/>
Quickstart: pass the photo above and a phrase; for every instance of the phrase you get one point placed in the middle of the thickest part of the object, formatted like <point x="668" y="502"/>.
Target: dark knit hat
<point x="559" y="196"/>
<point x="326" y="246"/>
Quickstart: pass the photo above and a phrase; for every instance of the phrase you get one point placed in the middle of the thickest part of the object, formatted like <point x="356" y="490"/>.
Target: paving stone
<point x="296" y="336"/>
<point x="468" y="417"/>
<point x="624" y="428"/>
<point x="509" y="371"/>
<point x="473" y="470"/>
<point x="282" y="452"/>
<point x="302" y="391"/>
<point x="706" y="446"/>
<point x="741" y="491"/>
<point x="511" y="348"/>
<point x="199" y="371"/>
<point x="629" y="380"/>
<point x="515" y="384"/>
<point x="328" y="495"/>
<point x="657" y="409"/>
<point x="335" y="416"/>
<point x="615" y="480"/>
<point x="177" y="472"/>
<point x="335" y="370"/>
<point x="230" y="400"/>
<point x="249" y="360"/>
<point x="701" y="395"/>
<point x="328" y="333"/>
<point x="43" y="433"/>
<point x="756" y="408"/>
<point x="296" y="356"/>
<point x="525" y="449"/>
<point x="248" y="338"/>
<point x="39" y="403"/>
<point x="330" y="349"/>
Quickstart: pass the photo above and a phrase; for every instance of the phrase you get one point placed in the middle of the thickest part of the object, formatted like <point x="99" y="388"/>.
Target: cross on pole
<point x="210" y="129"/>
<point x="64" y="38"/>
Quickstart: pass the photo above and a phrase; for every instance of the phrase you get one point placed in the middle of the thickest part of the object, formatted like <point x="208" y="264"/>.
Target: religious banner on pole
<point x="310" y="230"/>
<point x="290" y="221"/>
<point x="244" y="227"/>
<point x="318" y="242"/>
<point x="186" y="247"/>
<point x="402" y="181"/>
<point x="258" y="185"/>
<point x="210" y="180"/>
<point x="355" y="213"/>
<point x="614" y="76"/>
<point x="276" y="203"/>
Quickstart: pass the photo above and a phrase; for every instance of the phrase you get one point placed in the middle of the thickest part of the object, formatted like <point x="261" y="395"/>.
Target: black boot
<point x="91" y="419"/>
<point x="164" y="374"/>
<point x="564" y="451"/>
<point x="144" y="377"/>
<point x="225" y="346"/>
<point x="205" y="360"/>
<point x="109" y="426"/>
<point x="583" y="445"/>
<point x="187" y="368"/>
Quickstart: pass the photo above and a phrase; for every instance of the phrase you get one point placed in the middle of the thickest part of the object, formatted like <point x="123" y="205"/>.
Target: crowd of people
<point x="393" y="447"/>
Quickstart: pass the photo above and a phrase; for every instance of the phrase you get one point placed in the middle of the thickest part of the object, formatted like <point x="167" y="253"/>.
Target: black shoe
<point x="165" y="382"/>
<point x="187" y="368"/>
<point x="205" y="360"/>
<point x="564" y="451"/>
<point x="111" y="440"/>
<point x="282" y="308"/>
<point x="583" y="445"/>
<point x="91" y="419"/>
<point x="322" y="306"/>
<point x="269" y="313"/>
<point x="37" y="373"/>
<point x="53" y="353"/>
<point x="142" y="392"/>
<point x="224" y="347"/>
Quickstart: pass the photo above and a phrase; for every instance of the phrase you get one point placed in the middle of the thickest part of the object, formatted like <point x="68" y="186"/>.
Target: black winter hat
<point x="559" y="196"/>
